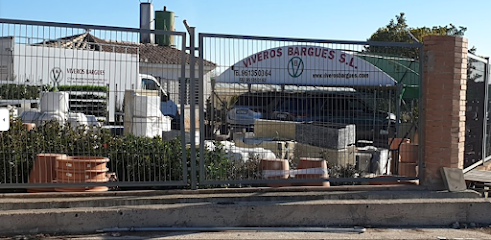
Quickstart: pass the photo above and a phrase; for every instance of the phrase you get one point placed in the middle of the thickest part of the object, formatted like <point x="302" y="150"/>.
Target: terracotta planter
<point x="315" y="168"/>
<point x="71" y="176"/>
<point x="43" y="170"/>
<point x="29" y="126"/>
<point x="82" y="189"/>
<point x="409" y="153"/>
<point x="79" y="163"/>
<point x="275" y="169"/>
<point x="79" y="169"/>
<point x="395" y="151"/>
<point x="407" y="169"/>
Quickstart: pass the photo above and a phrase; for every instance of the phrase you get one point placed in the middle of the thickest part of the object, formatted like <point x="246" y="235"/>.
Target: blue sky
<point x="317" y="19"/>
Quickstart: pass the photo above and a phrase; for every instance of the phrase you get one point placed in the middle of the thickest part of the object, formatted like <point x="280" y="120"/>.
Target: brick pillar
<point x="445" y="75"/>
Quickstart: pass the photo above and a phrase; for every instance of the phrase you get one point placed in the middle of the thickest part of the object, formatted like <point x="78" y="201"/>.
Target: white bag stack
<point x="54" y="107"/>
<point x="54" y="102"/>
<point x="143" y="116"/>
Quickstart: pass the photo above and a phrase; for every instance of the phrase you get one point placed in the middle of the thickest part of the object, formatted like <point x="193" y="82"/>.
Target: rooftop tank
<point x="164" y="20"/>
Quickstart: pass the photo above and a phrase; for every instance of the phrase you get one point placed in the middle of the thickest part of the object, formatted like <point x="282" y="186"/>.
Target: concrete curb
<point x="395" y="188"/>
<point x="53" y="201"/>
<point x="387" y="213"/>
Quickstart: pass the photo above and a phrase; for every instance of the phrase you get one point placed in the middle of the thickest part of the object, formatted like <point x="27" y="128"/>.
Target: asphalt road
<point x="374" y="233"/>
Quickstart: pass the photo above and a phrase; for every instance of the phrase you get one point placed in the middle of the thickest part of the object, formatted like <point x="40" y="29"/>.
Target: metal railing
<point x="91" y="91"/>
<point x="279" y="102"/>
<point x="256" y="111"/>
<point x="477" y="141"/>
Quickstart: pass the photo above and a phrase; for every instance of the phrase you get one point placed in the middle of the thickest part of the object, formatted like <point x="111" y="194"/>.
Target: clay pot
<point x="277" y="168"/>
<point x="395" y="151"/>
<point x="407" y="169"/>
<point x="43" y="170"/>
<point x="71" y="176"/>
<point x="79" y="163"/>
<point x="82" y="189"/>
<point x="81" y="169"/>
<point x="409" y="153"/>
<point x="29" y="126"/>
<point x="318" y="167"/>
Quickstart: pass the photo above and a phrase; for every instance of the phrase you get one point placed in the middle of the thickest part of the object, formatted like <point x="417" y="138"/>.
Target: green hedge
<point x="138" y="159"/>
<point x="88" y="88"/>
<point x="132" y="158"/>
<point x="14" y="91"/>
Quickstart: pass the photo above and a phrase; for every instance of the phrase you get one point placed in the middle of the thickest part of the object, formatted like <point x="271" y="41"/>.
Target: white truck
<point x="41" y="64"/>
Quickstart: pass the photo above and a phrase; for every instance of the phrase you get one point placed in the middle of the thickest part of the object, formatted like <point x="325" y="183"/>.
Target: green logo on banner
<point x="295" y="67"/>
<point x="56" y="75"/>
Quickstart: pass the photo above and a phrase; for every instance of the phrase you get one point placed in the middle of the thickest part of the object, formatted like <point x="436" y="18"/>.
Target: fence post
<point x="202" y="130"/>
<point x="485" y="114"/>
<point x="192" y="105"/>
<point x="444" y="82"/>
<point x="182" y="88"/>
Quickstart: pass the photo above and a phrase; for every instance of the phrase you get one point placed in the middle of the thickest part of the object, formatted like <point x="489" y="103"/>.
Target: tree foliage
<point x="398" y="31"/>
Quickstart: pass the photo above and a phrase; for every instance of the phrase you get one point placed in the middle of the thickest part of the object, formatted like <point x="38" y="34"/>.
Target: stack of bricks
<point x="444" y="94"/>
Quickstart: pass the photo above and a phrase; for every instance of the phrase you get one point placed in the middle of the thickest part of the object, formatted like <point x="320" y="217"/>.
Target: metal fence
<point x="477" y="141"/>
<point x="301" y="111"/>
<point x="93" y="107"/>
<point x="97" y="95"/>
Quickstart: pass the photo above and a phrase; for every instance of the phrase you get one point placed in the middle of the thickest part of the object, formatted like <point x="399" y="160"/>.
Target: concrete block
<point x="327" y="135"/>
<point x="363" y="160"/>
<point x="278" y="130"/>
<point x="334" y="157"/>
<point x="241" y="135"/>
<point x="453" y="178"/>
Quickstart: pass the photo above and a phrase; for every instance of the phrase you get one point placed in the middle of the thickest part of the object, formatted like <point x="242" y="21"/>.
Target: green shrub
<point x="15" y="91"/>
<point x="133" y="158"/>
<point x="88" y="88"/>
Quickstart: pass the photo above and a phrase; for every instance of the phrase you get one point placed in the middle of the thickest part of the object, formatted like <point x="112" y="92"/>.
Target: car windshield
<point x="294" y="104"/>
<point x="345" y="103"/>
<point x="253" y="100"/>
<point x="148" y="84"/>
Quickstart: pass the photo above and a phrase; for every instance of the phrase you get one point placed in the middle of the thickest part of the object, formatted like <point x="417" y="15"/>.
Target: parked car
<point x="344" y="107"/>
<point x="249" y="107"/>
<point x="296" y="107"/>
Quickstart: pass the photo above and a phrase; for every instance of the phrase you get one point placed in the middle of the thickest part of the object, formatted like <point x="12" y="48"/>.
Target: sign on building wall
<point x="305" y="65"/>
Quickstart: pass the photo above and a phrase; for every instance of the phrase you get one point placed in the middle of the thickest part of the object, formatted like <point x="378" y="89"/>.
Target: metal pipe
<point x="201" y="110"/>
<point x="371" y="43"/>
<point x="474" y="165"/>
<point x="217" y="229"/>
<point x="192" y="105"/>
<point x="182" y="88"/>
<point x="88" y="26"/>
<point x="484" y="138"/>
<point x="398" y="108"/>
<point x="421" y="118"/>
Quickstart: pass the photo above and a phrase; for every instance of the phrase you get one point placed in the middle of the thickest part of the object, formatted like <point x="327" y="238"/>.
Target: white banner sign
<point x="305" y="66"/>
